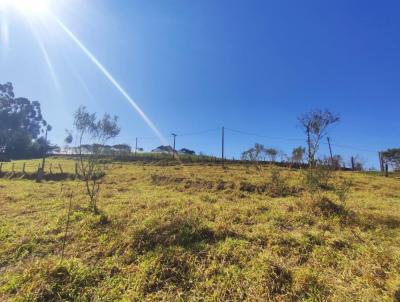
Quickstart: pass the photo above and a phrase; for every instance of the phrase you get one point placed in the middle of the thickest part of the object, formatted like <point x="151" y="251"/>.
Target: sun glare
<point x="27" y="7"/>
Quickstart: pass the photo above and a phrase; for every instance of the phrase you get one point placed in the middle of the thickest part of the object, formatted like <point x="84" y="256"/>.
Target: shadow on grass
<point x="174" y="230"/>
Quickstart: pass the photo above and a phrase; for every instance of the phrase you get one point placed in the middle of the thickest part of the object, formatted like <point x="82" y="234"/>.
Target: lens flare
<point x="28" y="7"/>
<point x="46" y="57"/>
<point x="4" y="35"/>
<point x="110" y="78"/>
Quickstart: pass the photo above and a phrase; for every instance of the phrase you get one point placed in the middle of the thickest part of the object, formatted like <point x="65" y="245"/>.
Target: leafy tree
<point x="91" y="136"/>
<point x="298" y="155"/>
<point x="271" y="153"/>
<point x="21" y="126"/>
<point x="254" y="154"/>
<point x="315" y="124"/>
<point x="392" y="157"/>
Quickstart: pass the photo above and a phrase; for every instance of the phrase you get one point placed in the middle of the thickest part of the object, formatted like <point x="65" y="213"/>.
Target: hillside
<point x="201" y="233"/>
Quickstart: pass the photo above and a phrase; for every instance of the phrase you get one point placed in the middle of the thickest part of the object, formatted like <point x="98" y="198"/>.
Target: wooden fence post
<point x="13" y="168"/>
<point x="386" y="170"/>
<point x="51" y="168"/>
<point x="39" y="174"/>
<point x="76" y="169"/>
<point x="61" y="170"/>
<point x="1" y="167"/>
<point x="23" y="168"/>
<point x="382" y="166"/>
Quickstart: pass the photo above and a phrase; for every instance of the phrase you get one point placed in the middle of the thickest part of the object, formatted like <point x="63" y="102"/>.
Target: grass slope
<point x="200" y="233"/>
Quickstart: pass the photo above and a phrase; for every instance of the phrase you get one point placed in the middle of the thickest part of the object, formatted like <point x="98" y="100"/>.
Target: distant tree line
<point x="22" y="127"/>
<point x="119" y="149"/>
<point x="169" y="149"/>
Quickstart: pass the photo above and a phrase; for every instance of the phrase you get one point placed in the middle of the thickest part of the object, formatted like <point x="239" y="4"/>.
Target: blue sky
<point x="191" y="66"/>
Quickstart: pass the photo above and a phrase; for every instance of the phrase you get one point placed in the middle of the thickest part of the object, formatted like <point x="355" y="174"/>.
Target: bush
<point x="318" y="178"/>
<point x="278" y="186"/>
<point x="342" y="190"/>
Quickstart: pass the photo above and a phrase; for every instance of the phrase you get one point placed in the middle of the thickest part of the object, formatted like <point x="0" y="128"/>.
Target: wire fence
<point x="220" y="142"/>
<point x="221" y="139"/>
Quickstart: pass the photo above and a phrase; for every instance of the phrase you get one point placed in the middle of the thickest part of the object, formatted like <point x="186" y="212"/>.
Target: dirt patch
<point x="269" y="189"/>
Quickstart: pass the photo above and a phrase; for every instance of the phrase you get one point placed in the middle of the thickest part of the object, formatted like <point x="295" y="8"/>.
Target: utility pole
<point x="135" y="147"/>
<point x="173" y="151"/>
<point x="40" y="173"/>
<point x="330" y="150"/>
<point x="223" y="146"/>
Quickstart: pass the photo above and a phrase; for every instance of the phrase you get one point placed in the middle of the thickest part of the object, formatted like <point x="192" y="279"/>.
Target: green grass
<point x="200" y="233"/>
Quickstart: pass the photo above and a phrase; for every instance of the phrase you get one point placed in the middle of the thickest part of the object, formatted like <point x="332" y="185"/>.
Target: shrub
<point x="342" y="190"/>
<point x="317" y="178"/>
<point x="278" y="186"/>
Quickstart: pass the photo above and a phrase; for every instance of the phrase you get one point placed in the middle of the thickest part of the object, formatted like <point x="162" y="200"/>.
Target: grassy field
<point x="200" y="233"/>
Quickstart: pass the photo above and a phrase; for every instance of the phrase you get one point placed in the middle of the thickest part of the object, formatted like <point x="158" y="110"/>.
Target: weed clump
<point x="276" y="280"/>
<point x="165" y="270"/>
<point x="53" y="281"/>
<point x="325" y="207"/>
<point x="308" y="286"/>
<point x="269" y="280"/>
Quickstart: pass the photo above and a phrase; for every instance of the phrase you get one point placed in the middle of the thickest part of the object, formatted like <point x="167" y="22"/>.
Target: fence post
<point x="76" y="169"/>
<point x="13" y="168"/>
<point x="381" y="162"/>
<point x="61" y="170"/>
<point x="386" y="170"/>
<point x="39" y="174"/>
<point x="23" y="168"/>
<point x="1" y="168"/>
<point x="51" y="168"/>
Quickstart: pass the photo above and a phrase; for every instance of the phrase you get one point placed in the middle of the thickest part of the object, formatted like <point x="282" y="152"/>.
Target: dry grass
<point x="200" y="233"/>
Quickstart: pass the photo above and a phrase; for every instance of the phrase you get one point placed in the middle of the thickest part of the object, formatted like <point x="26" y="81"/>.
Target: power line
<point x="299" y="139"/>
<point x="200" y="132"/>
<point x="182" y="134"/>
<point x="263" y="136"/>
<point x="252" y="134"/>
<point x="352" y="148"/>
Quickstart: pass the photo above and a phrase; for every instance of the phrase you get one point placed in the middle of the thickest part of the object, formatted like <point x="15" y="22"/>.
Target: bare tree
<point x="315" y="124"/>
<point x="357" y="163"/>
<point x="88" y="129"/>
